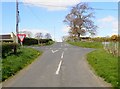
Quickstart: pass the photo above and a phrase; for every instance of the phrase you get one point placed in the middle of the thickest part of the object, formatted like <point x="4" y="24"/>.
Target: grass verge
<point x="14" y="63"/>
<point x="105" y="65"/>
<point x="87" y="44"/>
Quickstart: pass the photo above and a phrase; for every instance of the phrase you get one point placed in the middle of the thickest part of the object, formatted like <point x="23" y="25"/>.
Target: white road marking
<point x="62" y="55"/>
<point x="54" y="51"/>
<point x="59" y="48"/>
<point x="50" y="48"/>
<point x="58" y="69"/>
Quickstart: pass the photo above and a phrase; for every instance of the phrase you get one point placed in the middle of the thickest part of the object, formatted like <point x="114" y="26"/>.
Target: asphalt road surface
<point x="61" y="65"/>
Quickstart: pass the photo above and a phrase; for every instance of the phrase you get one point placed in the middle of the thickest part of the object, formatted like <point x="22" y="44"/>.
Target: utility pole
<point x="17" y="20"/>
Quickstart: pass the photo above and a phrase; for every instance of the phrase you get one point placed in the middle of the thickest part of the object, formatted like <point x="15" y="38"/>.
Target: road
<point x="61" y="65"/>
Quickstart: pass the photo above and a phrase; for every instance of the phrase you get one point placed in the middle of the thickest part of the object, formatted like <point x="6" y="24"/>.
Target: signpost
<point x="21" y="37"/>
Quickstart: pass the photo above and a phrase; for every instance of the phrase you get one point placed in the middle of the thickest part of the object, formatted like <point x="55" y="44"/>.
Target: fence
<point x="112" y="47"/>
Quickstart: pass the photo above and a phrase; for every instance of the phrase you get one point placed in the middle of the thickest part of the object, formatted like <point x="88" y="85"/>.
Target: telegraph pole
<point x="17" y="20"/>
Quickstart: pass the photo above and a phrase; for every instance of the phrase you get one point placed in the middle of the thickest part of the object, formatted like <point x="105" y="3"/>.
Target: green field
<point x="104" y="63"/>
<point x="87" y="44"/>
<point x="13" y="63"/>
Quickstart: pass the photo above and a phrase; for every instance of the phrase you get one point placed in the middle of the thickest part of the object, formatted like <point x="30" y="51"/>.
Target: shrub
<point x="114" y="38"/>
<point x="30" y="41"/>
<point x="8" y="48"/>
<point x="33" y="41"/>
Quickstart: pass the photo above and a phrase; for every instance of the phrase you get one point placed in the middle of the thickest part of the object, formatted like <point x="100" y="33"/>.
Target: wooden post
<point x="17" y="20"/>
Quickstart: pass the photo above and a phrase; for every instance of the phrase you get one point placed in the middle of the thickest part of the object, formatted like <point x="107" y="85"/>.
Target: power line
<point x="104" y="9"/>
<point x="50" y="5"/>
<point x="37" y="17"/>
<point x="32" y="12"/>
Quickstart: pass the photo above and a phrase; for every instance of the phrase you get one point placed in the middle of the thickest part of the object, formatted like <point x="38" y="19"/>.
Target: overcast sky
<point x="47" y="16"/>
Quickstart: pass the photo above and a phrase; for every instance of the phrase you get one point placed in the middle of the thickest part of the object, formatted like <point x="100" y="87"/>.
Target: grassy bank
<point x="104" y="63"/>
<point x="87" y="44"/>
<point x="13" y="63"/>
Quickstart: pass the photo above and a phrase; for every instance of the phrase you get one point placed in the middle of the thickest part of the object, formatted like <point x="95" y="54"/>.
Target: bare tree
<point x="48" y="36"/>
<point x="39" y="36"/>
<point x="28" y="33"/>
<point x="79" y="19"/>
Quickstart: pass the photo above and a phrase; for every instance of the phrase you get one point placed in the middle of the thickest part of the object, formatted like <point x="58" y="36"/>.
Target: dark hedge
<point x="7" y="48"/>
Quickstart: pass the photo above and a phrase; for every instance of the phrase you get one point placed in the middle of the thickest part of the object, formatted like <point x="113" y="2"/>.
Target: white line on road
<point x="54" y="51"/>
<point x="62" y="55"/>
<point x="58" y="69"/>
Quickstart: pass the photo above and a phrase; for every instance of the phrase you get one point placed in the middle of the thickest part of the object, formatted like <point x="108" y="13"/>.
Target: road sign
<point x="21" y="37"/>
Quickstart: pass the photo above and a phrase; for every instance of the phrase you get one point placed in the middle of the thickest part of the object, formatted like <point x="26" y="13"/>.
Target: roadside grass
<point x="47" y="44"/>
<point x="104" y="63"/>
<point x="87" y="44"/>
<point x="14" y="63"/>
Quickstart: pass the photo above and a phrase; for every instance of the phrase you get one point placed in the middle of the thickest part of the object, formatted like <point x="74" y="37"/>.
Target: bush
<point x="9" y="48"/>
<point x="30" y="41"/>
<point x="33" y="41"/>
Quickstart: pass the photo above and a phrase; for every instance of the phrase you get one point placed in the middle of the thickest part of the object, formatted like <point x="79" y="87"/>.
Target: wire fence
<point x="112" y="47"/>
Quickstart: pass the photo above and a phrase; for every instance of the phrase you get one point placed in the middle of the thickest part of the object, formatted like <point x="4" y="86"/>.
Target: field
<point x="87" y="44"/>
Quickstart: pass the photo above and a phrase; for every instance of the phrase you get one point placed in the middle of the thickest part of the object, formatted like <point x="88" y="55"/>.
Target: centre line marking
<point x="62" y="55"/>
<point x="58" y="69"/>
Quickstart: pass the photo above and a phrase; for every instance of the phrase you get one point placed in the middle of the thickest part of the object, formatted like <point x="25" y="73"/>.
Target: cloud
<point x="99" y="0"/>
<point x="52" y="4"/>
<point x="63" y="0"/>
<point x="109" y="23"/>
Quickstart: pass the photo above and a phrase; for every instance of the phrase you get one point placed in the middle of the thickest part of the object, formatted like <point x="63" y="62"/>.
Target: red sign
<point x="21" y="37"/>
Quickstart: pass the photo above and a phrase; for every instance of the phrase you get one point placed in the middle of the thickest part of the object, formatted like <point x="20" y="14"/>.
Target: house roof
<point x="5" y="36"/>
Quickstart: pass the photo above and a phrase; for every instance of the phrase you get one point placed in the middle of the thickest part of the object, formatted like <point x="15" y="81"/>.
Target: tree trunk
<point x="38" y="41"/>
<point x="15" y="48"/>
<point x="79" y="39"/>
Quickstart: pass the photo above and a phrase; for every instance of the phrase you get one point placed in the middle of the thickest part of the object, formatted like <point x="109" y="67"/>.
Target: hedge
<point x="33" y="41"/>
<point x="30" y="41"/>
<point x="8" y="48"/>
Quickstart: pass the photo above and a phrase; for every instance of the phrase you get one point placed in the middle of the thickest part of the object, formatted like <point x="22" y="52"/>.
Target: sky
<point x="47" y="16"/>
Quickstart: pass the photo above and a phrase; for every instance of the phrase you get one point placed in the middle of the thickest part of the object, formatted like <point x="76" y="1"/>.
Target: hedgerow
<point x="33" y="41"/>
<point x="7" y="48"/>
